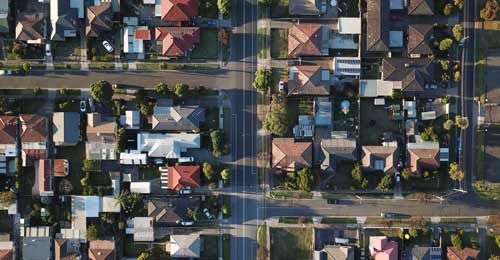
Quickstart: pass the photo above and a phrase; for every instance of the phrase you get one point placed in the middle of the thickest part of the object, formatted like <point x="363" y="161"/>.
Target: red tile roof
<point x="8" y="129"/>
<point x="467" y="253"/>
<point x="43" y="175"/>
<point x="180" y="177"/>
<point x="31" y="155"/>
<point x="33" y="128"/>
<point x="290" y="155"/>
<point x="177" y="41"/>
<point x="102" y="250"/>
<point x="60" y="167"/>
<point x="304" y="40"/>
<point x="423" y="159"/>
<point x="143" y="34"/>
<point x="178" y="10"/>
<point x="6" y="254"/>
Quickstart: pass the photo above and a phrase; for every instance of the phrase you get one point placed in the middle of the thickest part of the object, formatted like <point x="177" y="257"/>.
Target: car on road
<point x="107" y="46"/>
<point x="332" y="201"/>
<point x="6" y="72"/>
<point x="207" y="213"/>
<point x="83" y="106"/>
<point x="187" y="223"/>
<point x="281" y="86"/>
<point x="387" y="215"/>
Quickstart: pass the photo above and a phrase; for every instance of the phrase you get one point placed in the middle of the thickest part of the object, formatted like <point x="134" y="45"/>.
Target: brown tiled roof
<point x="99" y="20"/>
<point x="6" y="254"/>
<point x="33" y="128"/>
<point x="8" y="129"/>
<point x="467" y="253"/>
<point x="61" y="250"/>
<point x="377" y="25"/>
<point x="421" y="7"/>
<point x="182" y="176"/>
<point x="100" y="129"/>
<point x="414" y="74"/>
<point x="305" y="40"/>
<point x="418" y="38"/>
<point x="177" y="41"/>
<point x="178" y="10"/>
<point x="307" y="81"/>
<point x="43" y="175"/>
<point x="30" y="27"/>
<point x="32" y="155"/>
<point x="421" y="159"/>
<point x="290" y="155"/>
<point x="60" y="167"/>
<point x="102" y="250"/>
<point x="388" y="154"/>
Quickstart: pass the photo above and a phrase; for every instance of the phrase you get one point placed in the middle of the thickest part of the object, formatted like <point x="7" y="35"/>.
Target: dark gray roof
<point x="31" y="26"/>
<point x="426" y="253"/>
<point x="421" y="7"/>
<point x="99" y="19"/>
<point x="304" y="7"/>
<point x="419" y="36"/>
<point x="170" y="118"/>
<point x="414" y="74"/>
<point x="377" y="25"/>
<point x="337" y="149"/>
<point x="170" y="210"/>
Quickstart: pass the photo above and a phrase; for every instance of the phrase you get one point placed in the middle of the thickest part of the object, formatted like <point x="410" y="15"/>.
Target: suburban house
<point x="170" y="146"/>
<point x="141" y="228"/>
<point x="167" y="117"/>
<point x="426" y="253"/>
<point x="377" y="25"/>
<point x="423" y="156"/>
<point x="4" y="14"/>
<point x="66" y="249"/>
<point x="66" y="128"/>
<point x="134" y="36"/>
<point x="421" y="7"/>
<point x="31" y="28"/>
<point x="185" y="246"/>
<point x="308" y="39"/>
<point x="306" y="7"/>
<point x="7" y="250"/>
<point x="408" y="75"/>
<point x="60" y="167"/>
<point x="380" y="158"/>
<point x="419" y="40"/>
<point x="309" y="80"/>
<point x="36" y="243"/>
<point x="102" y="250"/>
<point x="44" y="179"/>
<point x="99" y="20"/>
<point x="64" y="18"/>
<point x="383" y="249"/>
<point x="290" y="155"/>
<point x="177" y="41"/>
<point x="183" y="176"/>
<point x="100" y="143"/>
<point x="339" y="147"/>
<point x="170" y="211"/>
<point x="8" y="136"/>
<point x="335" y="252"/>
<point x="34" y="129"/>
<point x="454" y="253"/>
<point x="178" y="11"/>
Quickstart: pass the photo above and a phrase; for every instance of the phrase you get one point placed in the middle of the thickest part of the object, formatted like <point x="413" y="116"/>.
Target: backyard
<point x="208" y="47"/>
<point x="133" y="249"/>
<point x="374" y="122"/>
<point x="279" y="43"/>
<point x="209" y="247"/>
<point x="291" y="243"/>
<point x="75" y="155"/>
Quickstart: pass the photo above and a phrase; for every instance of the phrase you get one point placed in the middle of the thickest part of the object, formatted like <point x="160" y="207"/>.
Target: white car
<point x="158" y="161"/>
<point x="107" y="46"/>
<point x="186" y="159"/>
<point x="187" y="223"/>
<point x="48" y="52"/>
<point x="6" y="72"/>
<point x="186" y="191"/>
<point x="83" y="106"/>
<point x="207" y="213"/>
<point x="281" y="86"/>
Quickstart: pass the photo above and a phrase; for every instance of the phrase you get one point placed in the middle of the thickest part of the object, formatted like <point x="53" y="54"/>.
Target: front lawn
<point x="75" y="155"/>
<point x="209" y="246"/>
<point x="339" y="221"/>
<point x="208" y="48"/>
<point x="132" y="249"/>
<point x="374" y="122"/>
<point x="31" y="106"/>
<point x="149" y="173"/>
<point x="279" y="43"/>
<point x="261" y="43"/>
<point x="291" y="243"/>
<point x="279" y="9"/>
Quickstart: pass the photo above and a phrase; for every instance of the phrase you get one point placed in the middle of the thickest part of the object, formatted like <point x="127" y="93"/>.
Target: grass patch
<point x="149" y="173"/>
<point x="208" y="47"/>
<point x="176" y="66"/>
<point x="487" y="190"/>
<point x="262" y="235"/>
<point x="148" y="66"/>
<point x="75" y="155"/>
<point x="290" y="195"/>
<point x="226" y="247"/>
<point x="479" y="153"/>
<point x="295" y="220"/>
<point x="101" y="66"/>
<point x="291" y="243"/>
<point x="279" y="43"/>
<point x="261" y="43"/>
<point x="339" y="221"/>
<point x="32" y="106"/>
<point x="279" y="9"/>
<point x="209" y="246"/>
<point x="227" y="123"/>
<point x="458" y="220"/>
<point x="131" y="248"/>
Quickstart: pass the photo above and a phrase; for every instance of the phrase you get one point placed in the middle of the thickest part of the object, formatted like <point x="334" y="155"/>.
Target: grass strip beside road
<point x="479" y="153"/>
<point x="487" y="190"/>
<point x="261" y="43"/>
<point x="295" y="220"/>
<point x="226" y="247"/>
<point x="283" y="194"/>
<point x="339" y="221"/>
<point x="175" y="66"/>
<point x="458" y="221"/>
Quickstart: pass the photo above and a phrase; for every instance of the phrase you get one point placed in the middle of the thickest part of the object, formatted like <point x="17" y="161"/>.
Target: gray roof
<point x="172" y="210"/>
<point x="304" y="7"/>
<point x="336" y="252"/>
<point x="31" y="26"/>
<point x="337" y="149"/>
<point x="185" y="246"/>
<point x="421" y="7"/>
<point x="66" y="127"/>
<point x="186" y="118"/>
<point x="426" y="253"/>
<point x="67" y="18"/>
<point x="414" y="74"/>
<point x="377" y="25"/>
<point x="36" y="248"/>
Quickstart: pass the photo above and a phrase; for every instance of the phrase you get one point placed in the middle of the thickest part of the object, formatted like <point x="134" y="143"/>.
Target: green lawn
<point x="209" y="246"/>
<point x="295" y="220"/>
<point x="131" y="248"/>
<point x="226" y="247"/>
<point x="101" y="65"/>
<point x="5" y="222"/>
<point x="458" y="220"/>
<point x="290" y="195"/>
<point x="291" y="243"/>
<point x="279" y="43"/>
<point x="261" y="43"/>
<point x="148" y="173"/>
<point x="211" y="119"/>
<point x="208" y="48"/>
<point x="67" y="66"/>
<point x="339" y="221"/>
<point x="487" y="190"/>
<point x="374" y="122"/>
<point x="75" y="156"/>
<point x="262" y="235"/>
<point x="31" y="106"/>
<point x="70" y="47"/>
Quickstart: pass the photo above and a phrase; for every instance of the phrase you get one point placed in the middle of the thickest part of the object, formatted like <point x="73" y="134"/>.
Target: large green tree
<point x="101" y="91"/>
<point x="455" y="172"/>
<point x="263" y="80"/>
<point x="305" y="179"/>
<point x="181" y="90"/>
<point x="276" y="121"/>
<point x="224" y="6"/>
<point x="385" y="183"/>
<point x="490" y="10"/>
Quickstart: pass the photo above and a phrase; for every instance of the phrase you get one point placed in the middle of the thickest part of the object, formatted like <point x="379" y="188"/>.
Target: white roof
<point x="92" y="206"/>
<point x="166" y="145"/>
<point x="349" y="25"/>
<point x="429" y="115"/>
<point x="140" y="187"/>
<point x="130" y="43"/>
<point x="6" y="245"/>
<point x="379" y="101"/>
<point x="376" y="88"/>
<point x="185" y="246"/>
<point x="148" y="2"/>
<point x="110" y="204"/>
<point x="133" y="158"/>
<point x="143" y="229"/>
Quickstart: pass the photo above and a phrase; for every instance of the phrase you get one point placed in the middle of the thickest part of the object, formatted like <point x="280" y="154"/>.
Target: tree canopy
<point x="276" y="121"/>
<point x="101" y="91"/>
<point x="445" y="44"/>
<point x="385" y="183"/>
<point x="224" y="6"/>
<point x="305" y="179"/>
<point x="490" y="10"/>
<point x="455" y="173"/>
<point x="263" y="80"/>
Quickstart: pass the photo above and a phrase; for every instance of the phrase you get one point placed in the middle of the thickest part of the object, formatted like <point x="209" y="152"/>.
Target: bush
<point x="429" y="134"/>
<point x="458" y="32"/>
<point x="455" y="173"/>
<point x="448" y="124"/>
<point x="181" y="90"/>
<point x="448" y="9"/>
<point x="456" y="240"/>
<point x="7" y="197"/>
<point x="305" y="179"/>
<point x="457" y="76"/>
<point x="224" y="6"/>
<point x="385" y="183"/>
<point x="208" y="170"/>
<point x="459" y="4"/>
<point x="445" y="44"/>
<point x="162" y="90"/>
<point x="217" y="142"/>
<point x="120" y="139"/>
<point x="37" y="91"/>
<point x="406" y="173"/>
<point x="263" y="80"/>
<point x="225" y="175"/>
<point x="490" y="10"/>
<point x="101" y="91"/>
<point x="276" y="121"/>
<point x="92" y="233"/>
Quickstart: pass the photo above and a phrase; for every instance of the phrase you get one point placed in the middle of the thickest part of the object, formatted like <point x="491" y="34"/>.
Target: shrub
<point x="263" y="80"/>
<point x="448" y="124"/>
<point x="92" y="233"/>
<point x="456" y="240"/>
<point x="458" y="31"/>
<point x="490" y="10"/>
<point x="224" y="6"/>
<point x="448" y="9"/>
<point x="305" y="179"/>
<point x="7" y="197"/>
<point x="385" y="183"/>
<point x="445" y="44"/>
<point x="208" y="170"/>
<point x="181" y="90"/>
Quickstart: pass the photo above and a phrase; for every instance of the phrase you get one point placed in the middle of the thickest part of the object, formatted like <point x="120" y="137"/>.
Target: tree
<point x="357" y="173"/>
<point x="385" y="183"/>
<point x="26" y="67"/>
<point x="92" y="233"/>
<point x="224" y="6"/>
<point x="225" y="175"/>
<point x="461" y="122"/>
<point x="217" y="142"/>
<point x="458" y="31"/>
<point x="459" y="4"/>
<point x="155" y="253"/>
<point x="448" y="8"/>
<point x="130" y="202"/>
<point x="497" y="240"/>
<point x="147" y="108"/>
<point x="226" y="208"/>
<point x="456" y="240"/>
<point x="87" y="165"/>
<point x="305" y="179"/>
<point x="457" y="76"/>
<point x="276" y="121"/>
<point x="494" y="257"/>
<point x="120" y="139"/>
<point x="162" y="89"/>
<point x="455" y="173"/>
<point x="84" y="181"/>
<point x="448" y="124"/>
<point x="445" y="44"/>
<point x="265" y="2"/>
<point x="193" y="213"/>
<point x="429" y="134"/>
<point x="406" y="173"/>
<point x="263" y="80"/>
<point x="489" y="12"/>
<point x="181" y="90"/>
<point x="413" y="232"/>
<point x="7" y="197"/>
<point x="101" y="91"/>
<point x="208" y="170"/>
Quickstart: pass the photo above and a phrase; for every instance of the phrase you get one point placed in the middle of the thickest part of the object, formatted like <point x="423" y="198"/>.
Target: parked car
<point x="83" y="106"/>
<point x="158" y="161"/>
<point x="281" y="86"/>
<point x="186" y="191"/>
<point x="207" y="213"/>
<point x="331" y="201"/>
<point x="186" y="159"/>
<point x="107" y="46"/>
<point x="187" y="223"/>
<point x="6" y="72"/>
<point x="48" y="51"/>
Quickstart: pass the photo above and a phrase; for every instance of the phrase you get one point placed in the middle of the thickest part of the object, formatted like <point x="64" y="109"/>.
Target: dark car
<point x="332" y="201"/>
